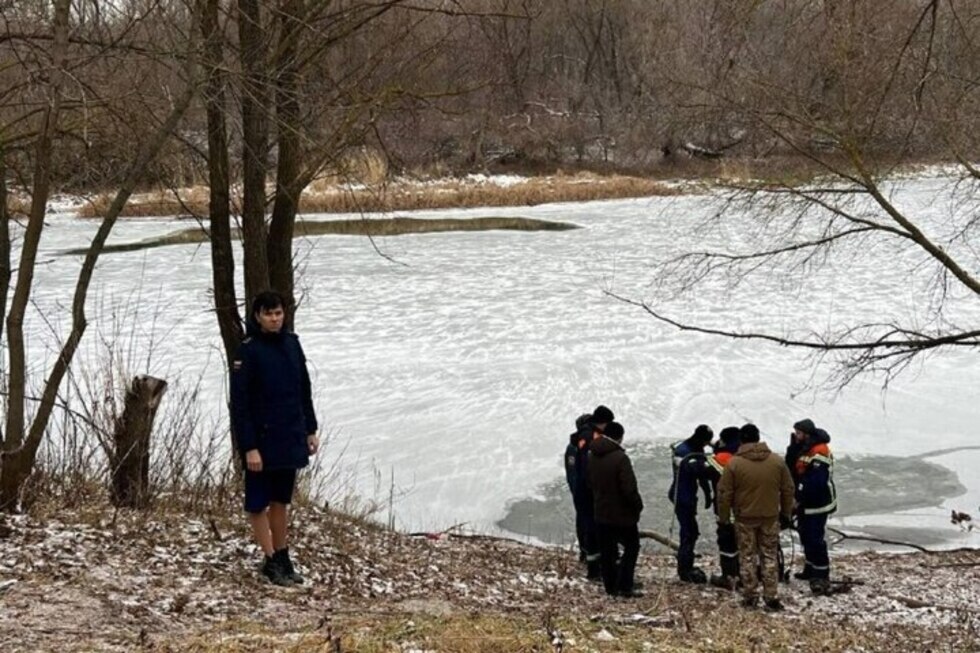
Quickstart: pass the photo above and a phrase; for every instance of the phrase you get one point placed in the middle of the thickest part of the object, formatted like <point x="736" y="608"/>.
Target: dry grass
<point x="384" y="631"/>
<point x="18" y="207"/>
<point x="324" y="198"/>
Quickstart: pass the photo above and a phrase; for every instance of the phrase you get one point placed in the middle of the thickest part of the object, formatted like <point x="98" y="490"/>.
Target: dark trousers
<point x="586" y="530"/>
<point x="728" y="550"/>
<point x="618" y="577"/>
<point x="687" y="517"/>
<point x="812" y="530"/>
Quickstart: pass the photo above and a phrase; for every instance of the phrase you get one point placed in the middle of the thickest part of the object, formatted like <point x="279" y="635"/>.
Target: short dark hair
<point x="615" y="431"/>
<point x="750" y="433"/>
<point x="266" y="301"/>
<point x="729" y="434"/>
<point x="703" y="434"/>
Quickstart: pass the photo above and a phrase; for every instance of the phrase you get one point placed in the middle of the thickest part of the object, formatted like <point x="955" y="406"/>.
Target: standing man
<point x="689" y="473"/>
<point x="812" y="465"/>
<point x="275" y="428"/>
<point x="617" y="510"/>
<point x="582" y="493"/>
<point x="757" y="488"/>
<point x="571" y="453"/>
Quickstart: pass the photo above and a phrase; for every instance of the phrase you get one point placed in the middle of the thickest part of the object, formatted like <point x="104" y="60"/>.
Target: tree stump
<point x="131" y="440"/>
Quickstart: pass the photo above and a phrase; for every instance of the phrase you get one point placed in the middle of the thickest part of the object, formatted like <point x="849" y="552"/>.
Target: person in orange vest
<point x="729" y="440"/>
<point x="812" y="466"/>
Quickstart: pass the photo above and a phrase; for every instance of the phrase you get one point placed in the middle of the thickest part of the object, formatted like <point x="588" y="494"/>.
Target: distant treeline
<point x="373" y="89"/>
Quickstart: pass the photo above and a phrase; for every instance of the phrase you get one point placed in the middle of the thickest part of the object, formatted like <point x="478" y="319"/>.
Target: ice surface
<point x="462" y="366"/>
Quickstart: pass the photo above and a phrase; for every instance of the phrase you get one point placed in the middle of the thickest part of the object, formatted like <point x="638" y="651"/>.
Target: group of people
<point x="754" y="493"/>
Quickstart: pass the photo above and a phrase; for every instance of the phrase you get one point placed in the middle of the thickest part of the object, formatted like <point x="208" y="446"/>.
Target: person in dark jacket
<point x="812" y="467"/>
<point x="689" y="472"/>
<point x="571" y="452"/>
<point x="582" y="494"/>
<point x="275" y="428"/>
<point x="729" y="440"/>
<point x="617" y="510"/>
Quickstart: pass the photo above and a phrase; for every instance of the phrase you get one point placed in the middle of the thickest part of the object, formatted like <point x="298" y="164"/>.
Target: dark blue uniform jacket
<point x="271" y="399"/>
<point x="689" y="473"/>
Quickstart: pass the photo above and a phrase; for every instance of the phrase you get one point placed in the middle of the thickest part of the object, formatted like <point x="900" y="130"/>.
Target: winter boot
<point x="282" y="555"/>
<point x="773" y="605"/>
<point x="750" y="602"/>
<point x="593" y="570"/>
<point x="693" y="575"/>
<point x="273" y="571"/>
<point x="803" y="575"/>
<point x="723" y="581"/>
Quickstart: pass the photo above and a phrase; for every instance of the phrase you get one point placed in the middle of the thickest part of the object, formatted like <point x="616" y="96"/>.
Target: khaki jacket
<point x="756" y="484"/>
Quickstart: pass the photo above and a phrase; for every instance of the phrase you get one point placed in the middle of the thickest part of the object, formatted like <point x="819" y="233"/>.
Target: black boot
<point x="803" y="575"/>
<point x="593" y="570"/>
<point x="693" y="575"/>
<point x="272" y="569"/>
<point x="282" y="555"/>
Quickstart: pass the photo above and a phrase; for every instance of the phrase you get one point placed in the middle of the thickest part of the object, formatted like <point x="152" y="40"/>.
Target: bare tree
<point x="42" y="122"/>
<point x="865" y="111"/>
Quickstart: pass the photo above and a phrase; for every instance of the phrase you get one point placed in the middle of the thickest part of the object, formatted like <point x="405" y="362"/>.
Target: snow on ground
<point x="459" y="368"/>
<point x="129" y="581"/>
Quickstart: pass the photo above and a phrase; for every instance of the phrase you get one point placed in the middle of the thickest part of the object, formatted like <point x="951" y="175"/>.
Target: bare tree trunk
<point x="131" y="442"/>
<point x="4" y="263"/>
<point x="255" y="142"/>
<point x="18" y="460"/>
<point x="4" y="245"/>
<point x="280" y="248"/>
<point x="12" y="473"/>
<point x="222" y="256"/>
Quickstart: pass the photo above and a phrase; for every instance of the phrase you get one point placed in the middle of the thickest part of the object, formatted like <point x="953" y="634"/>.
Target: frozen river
<point x="460" y="367"/>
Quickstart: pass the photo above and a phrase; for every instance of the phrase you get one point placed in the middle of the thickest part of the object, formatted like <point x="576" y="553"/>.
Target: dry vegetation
<point x="405" y="196"/>
<point x="107" y="581"/>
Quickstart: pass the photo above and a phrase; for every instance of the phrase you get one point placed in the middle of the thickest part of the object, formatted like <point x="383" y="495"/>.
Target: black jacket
<point x="271" y="400"/>
<point x="617" y="498"/>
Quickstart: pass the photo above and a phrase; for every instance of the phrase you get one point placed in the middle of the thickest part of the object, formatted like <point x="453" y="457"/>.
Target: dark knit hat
<point x="749" y="433"/>
<point x="602" y="415"/>
<point x="703" y="433"/>
<point x="615" y="431"/>
<point x="805" y="426"/>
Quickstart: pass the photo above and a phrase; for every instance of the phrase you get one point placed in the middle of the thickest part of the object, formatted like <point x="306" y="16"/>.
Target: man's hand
<point x="785" y="522"/>
<point x="312" y="443"/>
<point x="253" y="460"/>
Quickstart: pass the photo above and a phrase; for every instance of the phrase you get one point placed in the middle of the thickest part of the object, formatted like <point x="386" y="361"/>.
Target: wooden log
<point x="661" y="539"/>
<point x="131" y="442"/>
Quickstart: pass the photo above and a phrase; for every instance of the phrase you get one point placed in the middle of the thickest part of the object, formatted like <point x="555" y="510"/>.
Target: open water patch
<point x="866" y="484"/>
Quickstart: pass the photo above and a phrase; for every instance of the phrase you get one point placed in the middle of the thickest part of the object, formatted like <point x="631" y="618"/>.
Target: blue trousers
<point x="728" y="550"/>
<point x="687" y="518"/>
<point x="812" y="530"/>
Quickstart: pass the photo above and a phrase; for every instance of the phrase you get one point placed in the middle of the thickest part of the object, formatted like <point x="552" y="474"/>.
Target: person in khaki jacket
<point x="757" y="487"/>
